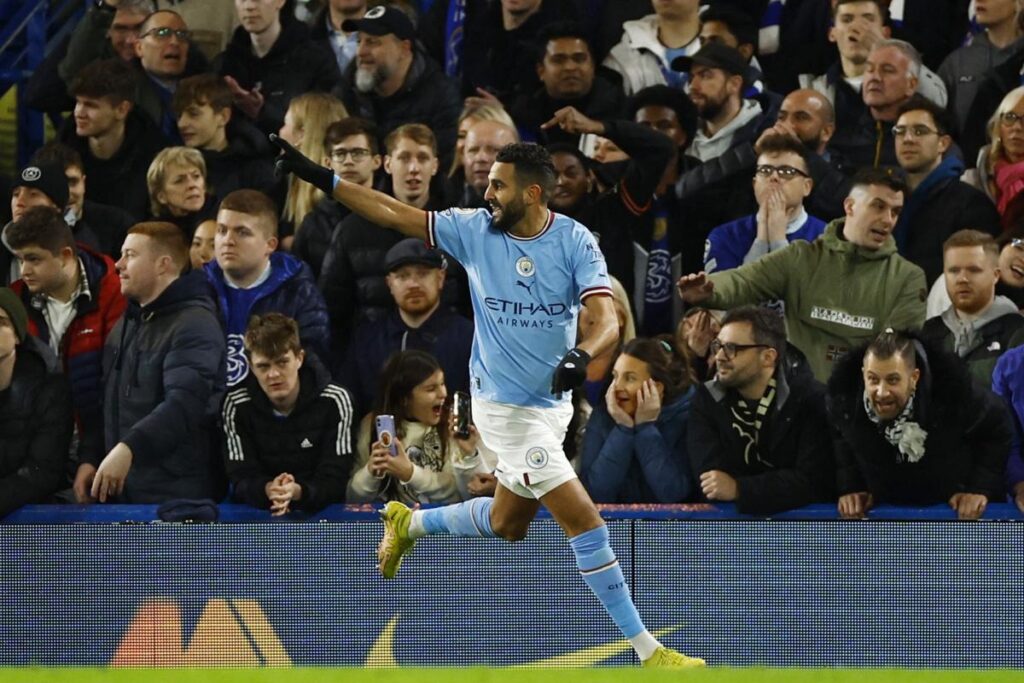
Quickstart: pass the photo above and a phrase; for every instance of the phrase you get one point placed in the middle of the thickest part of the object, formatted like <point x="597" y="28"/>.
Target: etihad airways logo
<point x="236" y="632"/>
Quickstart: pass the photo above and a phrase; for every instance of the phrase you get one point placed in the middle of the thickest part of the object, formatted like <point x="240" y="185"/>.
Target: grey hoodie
<point x="967" y="334"/>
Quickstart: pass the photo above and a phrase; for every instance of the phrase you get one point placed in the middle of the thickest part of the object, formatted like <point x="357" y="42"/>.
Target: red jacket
<point x="81" y="349"/>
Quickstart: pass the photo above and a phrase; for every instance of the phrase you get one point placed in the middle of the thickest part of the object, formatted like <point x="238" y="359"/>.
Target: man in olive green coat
<point x="839" y="291"/>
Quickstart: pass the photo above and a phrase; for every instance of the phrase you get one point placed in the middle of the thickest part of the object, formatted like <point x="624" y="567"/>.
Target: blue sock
<point x="472" y="518"/>
<point x="601" y="571"/>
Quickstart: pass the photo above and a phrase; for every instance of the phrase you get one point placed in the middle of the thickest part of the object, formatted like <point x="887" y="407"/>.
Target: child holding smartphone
<point x="422" y="461"/>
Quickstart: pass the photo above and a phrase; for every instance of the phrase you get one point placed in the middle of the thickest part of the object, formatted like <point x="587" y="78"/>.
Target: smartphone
<point x="386" y="432"/>
<point x="461" y="413"/>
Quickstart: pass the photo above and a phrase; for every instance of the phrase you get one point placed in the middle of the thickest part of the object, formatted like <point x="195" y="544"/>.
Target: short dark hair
<point x="346" y="128"/>
<point x="887" y="177"/>
<point x="533" y="165"/>
<point x="766" y="324"/>
<point x="883" y="8"/>
<point x="272" y="335"/>
<point x="560" y="29"/>
<point x="565" y="148"/>
<point x="670" y="98"/>
<point x="666" y="362"/>
<point x="253" y="203"/>
<point x="110" y="79"/>
<point x="892" y="343"/>
<point x="739" y="23"/>
<point x="943" y="121"/>
<point x="778" y="144"/>
<point x="208" y="89"/>
<point x="59" y="154"/>
<point x="41" y="226"/>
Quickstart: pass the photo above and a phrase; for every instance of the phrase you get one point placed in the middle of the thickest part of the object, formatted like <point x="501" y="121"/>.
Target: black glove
<point x="292" y="161"/>
<point x="571" y="372"/>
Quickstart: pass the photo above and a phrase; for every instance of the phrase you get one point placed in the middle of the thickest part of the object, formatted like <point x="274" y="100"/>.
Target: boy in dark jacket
<point x="758" y="432"/>
<point x="164" y="370"/>
<point x="288" y="429"/>
<point x="35" y="415"/>
<point x="73" y="296"/>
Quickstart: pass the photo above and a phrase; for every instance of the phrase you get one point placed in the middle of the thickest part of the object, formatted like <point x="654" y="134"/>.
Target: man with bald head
<point x="484" y="140"/>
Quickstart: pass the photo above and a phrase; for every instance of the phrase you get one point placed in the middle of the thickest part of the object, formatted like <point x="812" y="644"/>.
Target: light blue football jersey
<point x="526" y="297"/>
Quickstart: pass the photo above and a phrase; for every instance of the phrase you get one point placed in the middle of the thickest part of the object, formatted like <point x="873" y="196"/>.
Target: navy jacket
<point x="645" y="464"/>
<point x="163" y="370"/>
<point x="289" y="290"/>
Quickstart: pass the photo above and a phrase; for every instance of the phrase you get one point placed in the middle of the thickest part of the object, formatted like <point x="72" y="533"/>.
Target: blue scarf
<point x="951" y="167"/>
<point x="768" y="35"/>
<point x="453" y="34"/>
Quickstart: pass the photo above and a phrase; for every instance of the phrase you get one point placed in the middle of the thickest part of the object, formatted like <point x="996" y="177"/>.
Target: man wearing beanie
<point x="35" y="415"/>
<point x="36" y="185"/>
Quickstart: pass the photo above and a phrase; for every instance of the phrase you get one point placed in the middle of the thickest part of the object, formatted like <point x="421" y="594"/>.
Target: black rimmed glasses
<point x="164" y="34"/>
<point x="731" y="349"/>
<point x="357" y="154"/>
<point x="784" y="172"/>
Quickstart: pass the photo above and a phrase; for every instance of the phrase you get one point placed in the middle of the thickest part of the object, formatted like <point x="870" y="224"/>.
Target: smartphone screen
<point x="462" y="414"/>
<point x="386" y="432"/>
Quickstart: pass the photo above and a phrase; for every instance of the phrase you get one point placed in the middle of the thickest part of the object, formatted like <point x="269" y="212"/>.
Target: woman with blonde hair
<point x="1001" y="162"/>
<point x="176" y="180"/>
<point x="305" y="124"/>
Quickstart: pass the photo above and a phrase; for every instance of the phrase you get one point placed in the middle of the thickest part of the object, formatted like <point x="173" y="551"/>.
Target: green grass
<point x="485" y="675"/>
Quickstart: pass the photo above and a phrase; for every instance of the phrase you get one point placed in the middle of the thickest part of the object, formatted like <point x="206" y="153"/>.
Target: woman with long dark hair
<point x="634" y="450"/>
<point x="430" y="464"/>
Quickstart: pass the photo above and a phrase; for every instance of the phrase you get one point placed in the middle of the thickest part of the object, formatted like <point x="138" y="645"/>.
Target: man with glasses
<point x="939" y="204"/>
<point x="840" y="290"/>
<point x="352" y="150"/>
<point x="758" y="432"/>
<point x="781" y="184"/>
<point x="162" y="49"/>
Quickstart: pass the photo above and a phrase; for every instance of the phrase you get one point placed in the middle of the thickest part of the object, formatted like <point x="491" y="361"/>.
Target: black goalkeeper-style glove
<point x="571" y="372"/>
<point x="293" y="161"/>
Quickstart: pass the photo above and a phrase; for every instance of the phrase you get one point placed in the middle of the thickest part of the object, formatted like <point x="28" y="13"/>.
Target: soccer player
<point x="529" y="270"/>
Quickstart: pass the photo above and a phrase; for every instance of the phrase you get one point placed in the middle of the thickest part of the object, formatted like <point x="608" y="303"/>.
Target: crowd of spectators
<point x="811" y="210"/>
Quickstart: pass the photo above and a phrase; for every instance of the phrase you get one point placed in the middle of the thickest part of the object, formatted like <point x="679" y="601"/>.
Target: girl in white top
<point x="431" y="466"/>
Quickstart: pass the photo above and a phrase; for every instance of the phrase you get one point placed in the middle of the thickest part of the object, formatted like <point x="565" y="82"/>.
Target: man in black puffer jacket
<point x="914" y="429"/>
<point x="288" y="429"/>
<point x="164" y="369"/>
<point x="35" y="415"/>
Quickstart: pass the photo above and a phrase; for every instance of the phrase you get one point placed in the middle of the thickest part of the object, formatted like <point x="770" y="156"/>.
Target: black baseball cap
<point x="716" y="56"/>
<point x="413" y="250"/>
<point x="382" y="20"/>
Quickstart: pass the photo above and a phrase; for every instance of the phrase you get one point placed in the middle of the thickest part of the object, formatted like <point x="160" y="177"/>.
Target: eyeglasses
<point x="918" y="131"/>
<point x="784" y="172"/>
<point x="1017" y="243"/>
<point x="357" y="153"/>
<point x="164" y="33"/>
<point x="731" y="349"/>
<point x="1008" y="118"/>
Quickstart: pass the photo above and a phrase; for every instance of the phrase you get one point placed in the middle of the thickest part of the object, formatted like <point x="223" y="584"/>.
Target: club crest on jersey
<point x="524" y="266"/>
<point x="536" y="457"/>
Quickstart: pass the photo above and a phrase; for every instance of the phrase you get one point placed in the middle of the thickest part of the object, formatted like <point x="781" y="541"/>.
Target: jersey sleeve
<point x="589" y="270"/>
<point x="453" y="230"/>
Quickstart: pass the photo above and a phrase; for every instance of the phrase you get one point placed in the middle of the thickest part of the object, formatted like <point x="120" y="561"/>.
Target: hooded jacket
<point x="313" y="442"/>
<point x="313" y="238"/>
<point x="81" y="347"/>
<point x="35" y="432"/>
<point x="247" y="163"/>
<point x="639" y="56"/>
<point x="965" y="68"/>
<point x="795" y="466"/>
<point x="837" y="294"/>
<point x="294" y="65"/>
<point x="968" y="435"/>
<point x="981" y="342"/>
<point x="649" y="463"/>
<point x="290" y="290"/>
<point x="163" y="367"/>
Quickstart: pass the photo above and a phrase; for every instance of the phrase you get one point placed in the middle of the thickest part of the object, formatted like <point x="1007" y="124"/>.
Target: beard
<point x="368" y="79"/>
<point x="511" y="214"/>
<point x="711" y="109"/>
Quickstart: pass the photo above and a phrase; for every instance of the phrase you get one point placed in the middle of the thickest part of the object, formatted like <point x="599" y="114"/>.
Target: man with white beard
<point x="393" y="83"/>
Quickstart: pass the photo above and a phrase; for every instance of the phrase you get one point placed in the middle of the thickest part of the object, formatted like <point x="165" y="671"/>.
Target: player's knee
<point x="510" y="531"/>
